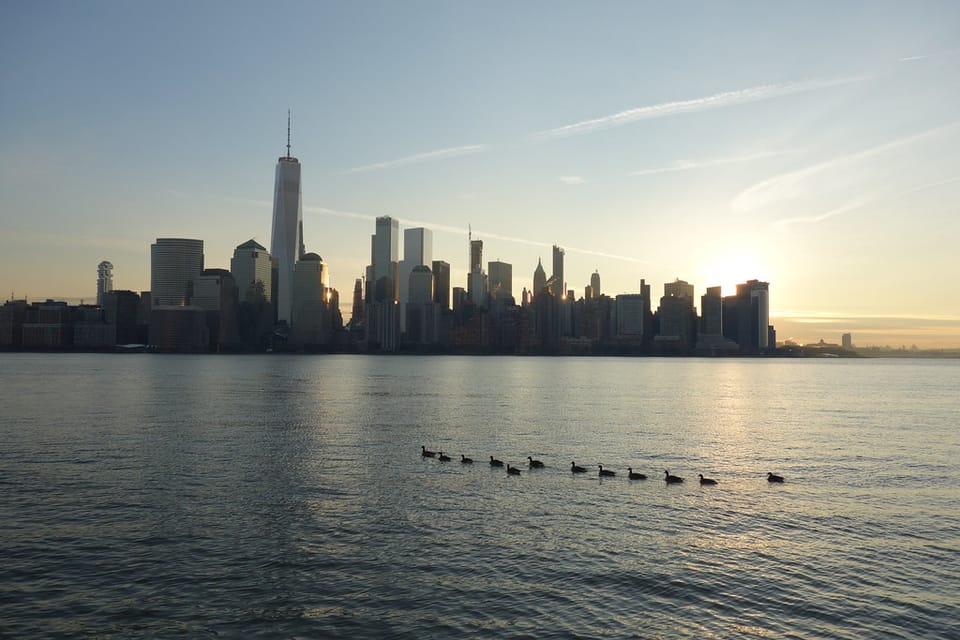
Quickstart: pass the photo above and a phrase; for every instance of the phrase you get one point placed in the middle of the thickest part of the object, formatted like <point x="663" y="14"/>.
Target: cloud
<point x="727" y="98"/>
<point x="687" y="165"/>
<point x="422" y="157"/>
<point x="793" y="184"/>
<point x="571" y="180"/>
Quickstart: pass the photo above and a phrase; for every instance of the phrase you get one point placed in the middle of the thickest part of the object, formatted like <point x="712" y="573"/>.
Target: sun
<point x="733" y="268"/>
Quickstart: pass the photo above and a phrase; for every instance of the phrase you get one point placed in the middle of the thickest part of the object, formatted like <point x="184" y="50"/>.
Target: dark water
<point x="152" y="496"/>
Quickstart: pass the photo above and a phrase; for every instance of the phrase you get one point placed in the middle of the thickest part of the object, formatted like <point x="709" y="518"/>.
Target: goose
<point x="535" y="464"/>
<point x="425" y="453"/>
<point x="706" y="480"/>
<point x="495" y="463"/>
<point x="606" y="473"/>
<point x="635" y="476"/>
<point x="513" y="471"/>
<point x="443" y="458"/>
<point x="671" y="479"/>
<point x="772" y="477"/>
<point x="465" y="460"/>
<point x="575" y="469"/>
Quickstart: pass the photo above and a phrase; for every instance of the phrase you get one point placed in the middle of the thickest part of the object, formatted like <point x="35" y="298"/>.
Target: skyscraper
<point x="441" y="283"/>
<point x="559" y="283"/>
<point x="251" y="268"/>
<point x="417" y="251"/>
<point x="539" y="279"/>
<point x="174" y="263"/>
<point x="382" y="274"/>
<point x="500" y="279"/>
<point x="595" y="285"/>
<point x="286" y="241"/>
<point x="104" y="280"/>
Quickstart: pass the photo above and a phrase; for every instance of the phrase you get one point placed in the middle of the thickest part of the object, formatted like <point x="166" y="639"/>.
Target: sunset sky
<point x="814" y="145"/>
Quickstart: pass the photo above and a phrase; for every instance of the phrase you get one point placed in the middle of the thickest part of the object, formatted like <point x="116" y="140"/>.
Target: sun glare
<point x="731" y="269"/>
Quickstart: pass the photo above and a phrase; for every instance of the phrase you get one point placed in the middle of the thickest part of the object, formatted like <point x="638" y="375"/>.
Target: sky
<point x="812" y="145"/>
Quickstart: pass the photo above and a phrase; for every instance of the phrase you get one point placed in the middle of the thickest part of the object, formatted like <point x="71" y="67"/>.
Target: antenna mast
<point x="288" y="133"/>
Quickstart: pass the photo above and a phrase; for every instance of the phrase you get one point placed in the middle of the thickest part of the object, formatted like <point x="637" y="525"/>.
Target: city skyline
<point x="830" y="173"/>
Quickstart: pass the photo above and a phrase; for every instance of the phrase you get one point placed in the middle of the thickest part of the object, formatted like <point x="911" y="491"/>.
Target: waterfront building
<point x="174" y="263"/>
<point x="251" y="268"/>
<point x="104" y="279"/>
<point x="216" y="292"/>
<point x="746" y="316"/>
<point x="286" y="239"/>
<point x="595" y="285"/>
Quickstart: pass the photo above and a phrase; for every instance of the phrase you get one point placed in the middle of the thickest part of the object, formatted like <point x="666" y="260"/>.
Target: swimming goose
<point x="671" y="479"/>
<point x="706" y="480"/>
<point x="513" y="471"/>
<point x="465" y="460"/>
<point x="535" y="464"/>
<point x="443" y="458"/>
<point x="425" y="453"/>
<point x="635" y="476"/>
<point x="606" y="473"/>
<point x="771" y="477"/>
<point x="495" y="463"/>
<point x="575" y="469"/>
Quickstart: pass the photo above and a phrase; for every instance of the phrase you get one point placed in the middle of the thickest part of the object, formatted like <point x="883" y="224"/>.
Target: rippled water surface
<point x="280" y="496"/>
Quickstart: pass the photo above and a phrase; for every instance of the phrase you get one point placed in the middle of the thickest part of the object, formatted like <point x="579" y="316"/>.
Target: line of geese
<point x="575" y="468"/>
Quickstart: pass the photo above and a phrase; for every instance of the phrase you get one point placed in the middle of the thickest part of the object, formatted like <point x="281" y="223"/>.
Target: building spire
<point x="288" y="133"/>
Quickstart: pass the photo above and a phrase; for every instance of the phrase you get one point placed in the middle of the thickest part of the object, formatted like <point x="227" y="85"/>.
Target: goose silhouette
<point x="606" y="473"/>
<point x="425" y="453"/>
<point x="513" y="471"/>
<point x="772" y="477"/>
<point x="443" y="458"/>
<point x="465" y="460"/>
<point x="635" y="476"/>
<point x="671" y="479"/>
<point x="495" y="463"/>
<point x="535" y="464"/>
<point x="706" y="480"/>
<point x="575" y="469"/>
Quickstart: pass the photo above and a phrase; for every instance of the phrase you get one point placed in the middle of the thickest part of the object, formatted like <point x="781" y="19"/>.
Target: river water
<point x="285" y="496"/>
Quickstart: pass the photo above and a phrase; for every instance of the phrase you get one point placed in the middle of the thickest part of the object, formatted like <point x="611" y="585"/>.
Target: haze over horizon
<point x="814" y="146"/>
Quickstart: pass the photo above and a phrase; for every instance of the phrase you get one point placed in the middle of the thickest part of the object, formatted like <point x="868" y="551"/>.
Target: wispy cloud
<point x="715" y="101"/>
<point x="571" y="180"/>
<point x="794" y="183"/>
<point x="861" y="202"/>
<point x="688" y="165"/>
<point x="462" y="231"/>
<point x="422" y="157"/>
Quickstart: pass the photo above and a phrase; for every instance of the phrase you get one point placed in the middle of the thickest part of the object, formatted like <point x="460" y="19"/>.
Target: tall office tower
<point x="382" y="274"/>
<point x="746" y="316"/>
<point x="420" y="287"/>
<point x="539" y="279"/>
<point x="595" y="285"/>
<point x="356" y="314"/>
<point x="559" y="283"/>
<point x="417" y="251"/>
<point x="678" y="289"/>
<point x="174" y="263"/>
<point x="441" y="283"/>
<point x="251" y="268"/>
<point x="104" y="280"/>
<point x="310" y="284"/>
<point x="476" y="278"/>
<point x="286" y="240"/>
<point x="711" y="312"/>
<point x="500" y="279"/>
